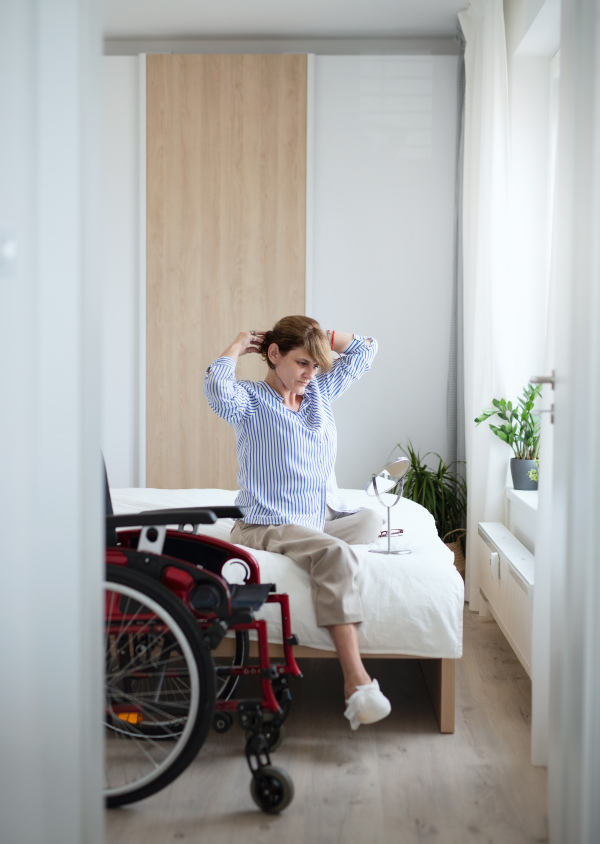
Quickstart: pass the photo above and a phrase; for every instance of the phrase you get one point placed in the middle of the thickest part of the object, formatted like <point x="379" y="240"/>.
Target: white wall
<point x="51" y="755"/>
<point x="121" y="306"/>
<point x="381" y="217"/>
<point x="384" y="147"/>
<point x="532" y="26"/>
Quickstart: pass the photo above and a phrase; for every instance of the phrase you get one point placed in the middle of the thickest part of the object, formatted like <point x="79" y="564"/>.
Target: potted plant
<point x="520" y="429"/>
<point x="443" y="491"/>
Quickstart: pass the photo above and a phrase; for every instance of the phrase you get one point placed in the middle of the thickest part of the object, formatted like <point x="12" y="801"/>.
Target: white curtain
<point x="487" y="303"/>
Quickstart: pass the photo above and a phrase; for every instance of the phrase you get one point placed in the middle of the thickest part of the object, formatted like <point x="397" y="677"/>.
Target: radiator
<point x="506" y="585"/>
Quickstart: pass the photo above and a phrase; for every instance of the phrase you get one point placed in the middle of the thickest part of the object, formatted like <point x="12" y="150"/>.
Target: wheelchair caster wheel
<point x="222" y="721"/>
<point x="272" y="789"/>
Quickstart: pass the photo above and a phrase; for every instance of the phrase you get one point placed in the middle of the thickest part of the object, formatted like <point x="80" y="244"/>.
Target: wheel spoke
<point x="159" y="679"/>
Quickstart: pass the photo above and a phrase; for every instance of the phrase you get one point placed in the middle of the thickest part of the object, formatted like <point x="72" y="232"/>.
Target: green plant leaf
<point x="500" y="433"/>
<point x="440" y="489"/>
<point x="521" y="426"/>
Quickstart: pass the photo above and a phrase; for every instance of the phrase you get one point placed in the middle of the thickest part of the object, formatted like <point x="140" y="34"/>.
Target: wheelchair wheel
<point x="160" y="679"/>
<point x="272" y="789"/>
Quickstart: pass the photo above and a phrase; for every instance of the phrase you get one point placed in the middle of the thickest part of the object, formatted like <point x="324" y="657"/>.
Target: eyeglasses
<point x="394" y="532"/>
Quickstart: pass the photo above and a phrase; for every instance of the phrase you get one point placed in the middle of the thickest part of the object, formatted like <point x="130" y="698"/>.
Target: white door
<point x="566" y="633"/>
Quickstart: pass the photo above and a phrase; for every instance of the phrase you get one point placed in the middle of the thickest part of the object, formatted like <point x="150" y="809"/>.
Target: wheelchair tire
<point x="159" y="671"/>
<point x="272" y="789"/>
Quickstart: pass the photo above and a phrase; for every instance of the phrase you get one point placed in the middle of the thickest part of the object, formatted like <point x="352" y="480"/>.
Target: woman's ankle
<point x="352" y="683"/>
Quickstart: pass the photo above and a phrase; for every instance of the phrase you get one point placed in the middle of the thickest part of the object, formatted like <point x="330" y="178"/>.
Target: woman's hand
<point x="251" y="341"/>
<point x="246" y="343"/>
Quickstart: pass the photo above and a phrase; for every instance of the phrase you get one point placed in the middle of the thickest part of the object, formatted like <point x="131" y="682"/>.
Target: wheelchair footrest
<point x="249" y="595"/>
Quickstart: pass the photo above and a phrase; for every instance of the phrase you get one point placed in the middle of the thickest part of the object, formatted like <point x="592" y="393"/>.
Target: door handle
<point x="544" y="379"/>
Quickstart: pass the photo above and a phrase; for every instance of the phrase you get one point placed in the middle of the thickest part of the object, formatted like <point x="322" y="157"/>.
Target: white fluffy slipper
<point x="367" y="705"/>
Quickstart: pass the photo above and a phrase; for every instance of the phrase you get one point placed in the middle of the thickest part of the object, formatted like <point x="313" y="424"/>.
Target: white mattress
<point x="412" y="603"/>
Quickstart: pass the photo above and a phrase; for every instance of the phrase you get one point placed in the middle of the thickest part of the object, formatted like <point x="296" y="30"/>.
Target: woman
<point x="286" y="449"/>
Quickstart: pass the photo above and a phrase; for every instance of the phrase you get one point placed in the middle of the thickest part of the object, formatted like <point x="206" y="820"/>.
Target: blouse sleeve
<point x="226" y="397"/>
<point x="349" y="367"/>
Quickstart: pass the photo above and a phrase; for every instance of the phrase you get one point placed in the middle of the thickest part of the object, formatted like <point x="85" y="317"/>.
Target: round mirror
<point x="388" y="476"/>
<point x="396" y="469"/>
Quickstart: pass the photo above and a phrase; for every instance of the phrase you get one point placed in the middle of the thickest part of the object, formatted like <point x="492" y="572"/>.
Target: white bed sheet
<point x="412" y="603"/>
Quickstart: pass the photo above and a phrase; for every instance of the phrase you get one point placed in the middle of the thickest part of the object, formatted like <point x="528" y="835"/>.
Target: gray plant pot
<point x="519" y="470"/>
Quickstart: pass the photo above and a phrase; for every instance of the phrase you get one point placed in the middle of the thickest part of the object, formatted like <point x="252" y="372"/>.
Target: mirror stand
<point x="392" y="471"/>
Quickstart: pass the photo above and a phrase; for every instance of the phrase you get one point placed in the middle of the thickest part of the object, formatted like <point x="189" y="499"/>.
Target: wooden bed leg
<point x="440" y="678"/>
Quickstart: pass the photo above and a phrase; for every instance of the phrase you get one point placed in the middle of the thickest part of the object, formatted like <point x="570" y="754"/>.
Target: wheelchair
<point x="168" y="607"/>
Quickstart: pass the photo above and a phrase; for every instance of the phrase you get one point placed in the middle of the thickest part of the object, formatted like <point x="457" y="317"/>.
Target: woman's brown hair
<point x="294" y="332"/>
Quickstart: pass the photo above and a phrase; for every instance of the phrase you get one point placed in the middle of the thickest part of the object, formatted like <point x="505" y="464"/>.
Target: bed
<point x="413" y="603"/>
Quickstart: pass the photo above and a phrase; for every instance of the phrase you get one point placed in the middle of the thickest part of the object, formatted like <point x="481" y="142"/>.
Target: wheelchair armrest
<point x="179" y="516"/>
<point x="225" y="511"/>
<point x="163" y="517"/>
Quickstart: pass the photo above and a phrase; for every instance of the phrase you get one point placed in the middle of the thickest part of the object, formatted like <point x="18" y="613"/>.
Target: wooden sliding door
<point x="226" y="240"/>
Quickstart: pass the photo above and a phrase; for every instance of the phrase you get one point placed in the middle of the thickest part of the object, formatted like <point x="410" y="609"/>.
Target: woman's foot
<point x="367" y="705"/>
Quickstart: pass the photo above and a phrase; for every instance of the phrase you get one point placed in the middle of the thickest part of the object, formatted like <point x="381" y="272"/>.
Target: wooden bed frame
<point x="439" y="674"/>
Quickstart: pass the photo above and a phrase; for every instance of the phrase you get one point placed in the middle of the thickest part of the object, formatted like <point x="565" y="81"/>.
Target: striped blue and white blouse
<point x="286" y="458"/>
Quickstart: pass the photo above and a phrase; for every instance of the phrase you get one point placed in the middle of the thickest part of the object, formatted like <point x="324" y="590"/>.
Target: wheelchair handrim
<point x="194" y="703"/>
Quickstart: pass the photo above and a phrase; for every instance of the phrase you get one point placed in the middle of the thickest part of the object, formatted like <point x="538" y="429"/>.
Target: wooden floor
<point x="396" y="781"/>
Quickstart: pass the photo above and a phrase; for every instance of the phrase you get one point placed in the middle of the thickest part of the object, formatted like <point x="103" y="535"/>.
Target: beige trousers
<point x="326" y="555"/>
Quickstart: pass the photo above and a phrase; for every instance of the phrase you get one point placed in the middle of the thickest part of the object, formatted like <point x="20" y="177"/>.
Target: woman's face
<point x="295" y="370"/>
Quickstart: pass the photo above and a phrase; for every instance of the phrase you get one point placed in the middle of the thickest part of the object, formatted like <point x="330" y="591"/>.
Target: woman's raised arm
<point x="245" y="343"/>
<point x="340" y="340"/>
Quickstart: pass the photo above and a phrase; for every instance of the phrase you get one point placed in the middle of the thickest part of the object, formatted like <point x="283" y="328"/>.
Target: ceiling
<point x="173" y="19"/>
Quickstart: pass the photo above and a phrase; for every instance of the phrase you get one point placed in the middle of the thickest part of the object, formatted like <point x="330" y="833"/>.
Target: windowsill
<point x="520" y="515"/>
<point x="526" y="499"/>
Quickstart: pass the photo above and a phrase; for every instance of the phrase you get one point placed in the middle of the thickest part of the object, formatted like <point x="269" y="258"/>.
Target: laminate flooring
<point x="396" y="781"/>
